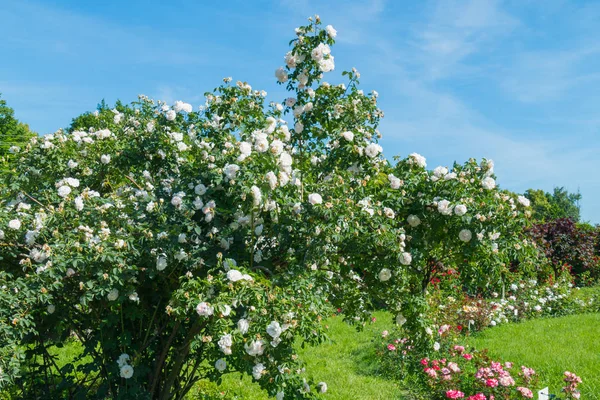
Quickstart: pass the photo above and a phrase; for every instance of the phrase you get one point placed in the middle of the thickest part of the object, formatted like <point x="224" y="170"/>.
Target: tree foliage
<point x="558" y="204"/>
<point x="13" y="134"/>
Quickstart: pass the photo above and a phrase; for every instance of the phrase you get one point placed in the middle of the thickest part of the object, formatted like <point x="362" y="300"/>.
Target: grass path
<point x="347" y="363"/>
<point x="553" y="346"/>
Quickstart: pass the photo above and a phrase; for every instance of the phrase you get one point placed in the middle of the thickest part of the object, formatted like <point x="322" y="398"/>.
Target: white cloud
<point x="536" y="76"/>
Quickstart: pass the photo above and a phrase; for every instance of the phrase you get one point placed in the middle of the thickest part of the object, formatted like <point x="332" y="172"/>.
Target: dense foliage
<point x="177" y="244"/>
<point x="550" y="206"/>
<point x="569" y="246"/>
<point x="13" y="134"/>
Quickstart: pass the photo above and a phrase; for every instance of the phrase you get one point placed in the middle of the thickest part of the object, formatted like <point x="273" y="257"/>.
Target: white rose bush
<point x="178" y="245"/>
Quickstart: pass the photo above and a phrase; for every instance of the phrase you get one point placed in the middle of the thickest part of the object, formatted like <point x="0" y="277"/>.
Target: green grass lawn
<point x="347" y="363"/>
<point x="551" y="346"/>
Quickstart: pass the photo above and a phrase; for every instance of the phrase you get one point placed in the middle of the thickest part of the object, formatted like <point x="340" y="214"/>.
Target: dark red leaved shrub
<point x="569" y="247"/>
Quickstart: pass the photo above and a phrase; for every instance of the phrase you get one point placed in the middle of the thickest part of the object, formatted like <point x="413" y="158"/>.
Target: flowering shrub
<point x="473" y="375"/>
<point x="521" y="300"/>
<point x="449" y="370"/>
<point x="177" y="244"/>
<point x="572" y="381"/>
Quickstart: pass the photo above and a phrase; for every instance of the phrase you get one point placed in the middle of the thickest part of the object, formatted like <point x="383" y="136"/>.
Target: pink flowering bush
<point x="474" y="375"/>
<point x="572" y="381"/>
<point x="449" y="370"/>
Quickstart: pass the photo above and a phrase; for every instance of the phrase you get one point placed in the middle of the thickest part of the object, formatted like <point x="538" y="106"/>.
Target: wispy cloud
<point x="545" y="76"/>
<point x="455" y="30"/>
<point x="88" y="39"/>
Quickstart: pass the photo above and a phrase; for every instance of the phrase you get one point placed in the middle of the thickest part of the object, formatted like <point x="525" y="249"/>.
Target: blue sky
<point x="516" y="81"/>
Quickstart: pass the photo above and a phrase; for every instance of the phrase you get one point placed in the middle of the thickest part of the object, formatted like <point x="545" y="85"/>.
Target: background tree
<point x="12" y="131"/>
<point x="571" y="246"/>
<point x="13" y="135"/>
<point x="550" y="206"/>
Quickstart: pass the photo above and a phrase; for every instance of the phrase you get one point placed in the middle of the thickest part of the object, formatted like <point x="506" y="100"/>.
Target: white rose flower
<point x="234" y="275"/>
<point x="349" y="136"/>
<point x="495" y="247"/>
<point x="388" y="212"/>
<point x="176" y="201"/>
<point x="395" y="182"/>
<point x="261" y="145"/>
<point x="440" y="171"/>
<point x="444" y="207"/>
<point x="400" y="319"/>
<point x="413" y="220"/>
<point x="126" y="371"/>
<point x="245" y="150"/>
<point x="200" y="189"/>
<point x="436" y="346"/>
<point x="460" y="209"/>
<point x="64" y="191"/>
<point x="1" y="234"/>
<point x="256" y="195"/>
<point x="161" y="262"/>
<point x="51" y="308"/>
<point x="373" y="149"/>
<point x="450" y="176"/>
<point x="73" y="182"/>
<point x="276" y="147"/>
<point x="271" y="179"/>
<point x="112" y="295"/>
<point x="123" y="359"/>
<point x="78" y="203"/>
<point x="285" y="162"/>
<point x="331" y="32"/>
<point x="204" y="309"/>
<point x="225" y="343"/>
<point x="243" y="325"/>
<point x="255" y="347"/>
<point x="180" y="106"/>
<point x="385" y="274"/>
<point x="322" y="387"/>
<point x="14" y="224"/>
<point x="257" y="371"/>
<point x="281" y="75"/>
<point x="274" y="329"/>
<point x="231" y="170"/>
<point x="182" y="146"/>
<point x="524" y="201"/>
<point x="221" y="365"/>
<point x="405" y="258"/>
<point x="488" y="183"/>
<point x="465" y="235"/>
<point x="315" y="198"/>
<point x="417" y="159"/>
<point x="171" y="115"/>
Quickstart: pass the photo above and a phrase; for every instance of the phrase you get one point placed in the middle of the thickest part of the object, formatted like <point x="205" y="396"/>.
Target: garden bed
<point x="550" y="346"/>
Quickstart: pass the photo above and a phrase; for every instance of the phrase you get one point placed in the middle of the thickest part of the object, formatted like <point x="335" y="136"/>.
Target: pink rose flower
<point x="491" y="382"/>
<point x="525" y="392"/>
<point x="454" y="394"/>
